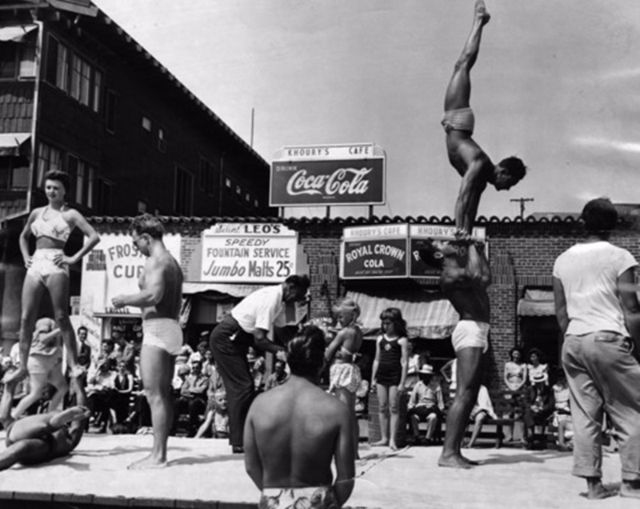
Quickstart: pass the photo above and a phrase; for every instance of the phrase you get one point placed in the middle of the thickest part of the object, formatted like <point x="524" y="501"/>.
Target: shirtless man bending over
<point x="294" y="431"/>
<point x="465" y="155"/>
<point x="160" y="297"/>
<point x="464" y="281"/>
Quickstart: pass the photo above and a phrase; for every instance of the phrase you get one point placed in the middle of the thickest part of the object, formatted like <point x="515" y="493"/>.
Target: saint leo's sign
<point x="349" y="174"/>
<point x="248" y="253"/>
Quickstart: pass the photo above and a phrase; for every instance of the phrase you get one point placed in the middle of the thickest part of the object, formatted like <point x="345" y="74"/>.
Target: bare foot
<point x="380" y="443"/>
<point x="393" y="447"/>
<point x="470" y="462"/>
<point x="481" y="12"/>
<point x="147" y="463"/>
<point x="455" y="461"/>
<point x="630" y="489"/>
<point x="598" y="492"/>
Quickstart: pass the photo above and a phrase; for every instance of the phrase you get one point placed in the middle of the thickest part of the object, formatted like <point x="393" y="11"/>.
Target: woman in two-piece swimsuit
<point x="390" y="372"/>
<point x="48" y="269"/>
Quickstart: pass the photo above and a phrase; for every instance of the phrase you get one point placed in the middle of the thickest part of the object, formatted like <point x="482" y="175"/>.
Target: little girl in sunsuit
<point x="390" y="372"/>
<point x="344" y="373"/>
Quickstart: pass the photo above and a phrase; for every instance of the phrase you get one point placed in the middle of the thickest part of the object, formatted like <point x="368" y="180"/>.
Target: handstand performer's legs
<point x="468" y="383"/>
<point x="459" y="89"/>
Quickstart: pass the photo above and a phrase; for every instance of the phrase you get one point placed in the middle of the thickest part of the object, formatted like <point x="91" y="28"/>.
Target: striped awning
<point x="537" y="303"/>
<point x="432" y="318"/>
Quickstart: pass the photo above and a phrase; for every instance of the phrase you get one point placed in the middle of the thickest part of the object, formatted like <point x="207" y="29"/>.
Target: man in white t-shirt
<point x="248" y="324"/>
<point x="598" y="312"/>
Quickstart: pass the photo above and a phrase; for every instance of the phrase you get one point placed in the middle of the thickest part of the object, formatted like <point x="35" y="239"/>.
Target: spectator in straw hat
<point x="426" y="404"/>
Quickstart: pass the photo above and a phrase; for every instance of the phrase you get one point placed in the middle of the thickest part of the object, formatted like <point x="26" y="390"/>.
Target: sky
<point x="556" y="83"/>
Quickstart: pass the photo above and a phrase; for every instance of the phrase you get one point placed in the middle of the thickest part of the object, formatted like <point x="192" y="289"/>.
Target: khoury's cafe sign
<point x="374" y="252"/>
<point x="248" y="253"/>
<point x="350" y="174"/>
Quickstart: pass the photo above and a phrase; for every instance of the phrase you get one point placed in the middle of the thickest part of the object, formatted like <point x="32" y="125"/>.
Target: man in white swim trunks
<point x="465" y="155"/>
<point x="294" y="431"/>
<point x="160" y="298"/>
<point x="464" y="280"/>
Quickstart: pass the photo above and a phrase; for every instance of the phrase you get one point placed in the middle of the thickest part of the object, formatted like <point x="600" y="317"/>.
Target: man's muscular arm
<point x="471" y="188"/>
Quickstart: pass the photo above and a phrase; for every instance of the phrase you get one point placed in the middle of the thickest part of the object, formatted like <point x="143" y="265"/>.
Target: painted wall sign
<point x="325" y="175"/>
<point x="113" y="268"/>
<point x="374" y="252"/>
<point x="421" y="239"/>
<point x="248" y="253"/>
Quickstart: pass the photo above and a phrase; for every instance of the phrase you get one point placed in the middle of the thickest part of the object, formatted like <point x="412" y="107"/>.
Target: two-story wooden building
<point x="77" y="93"/>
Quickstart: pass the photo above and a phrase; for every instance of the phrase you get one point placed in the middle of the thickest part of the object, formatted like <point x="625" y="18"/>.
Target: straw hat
<point x="426" y="369"/>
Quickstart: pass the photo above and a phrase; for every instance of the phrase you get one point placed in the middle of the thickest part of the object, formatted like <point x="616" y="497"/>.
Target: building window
<point x="247" y="197"/>
<point x="256" y="203"/>
<point x="49" y="158"/>
<point x="90" y="176"/>
<point x="27" y="59"/>
<point x="62" y="68"/>
<point x="146" y="124"/>
<point x="238" y="190"/>
<point x="110" y="111"/>
<point x="162" y="142"/>
<point x="183" y="192"/>
<point x="97" y="91"/>
<point x="8" y="59"/>
<point x="104" y="194"/>
<point x="207" y="181"/>
<point x="227" y="182"/>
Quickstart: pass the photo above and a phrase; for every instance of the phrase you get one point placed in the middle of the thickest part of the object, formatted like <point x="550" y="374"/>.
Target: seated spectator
<point x="278" y="377"/>
<point x="84" y="349"/>
<point x="562" y="411"/>
<point x="515" y="371"/>
<point x="208" y="363"/>
<point x="258" y="368"/>
<point x="537" y="411"/>
<point x="129" y="353"/>
<point x="538" y="371"/>
<point x="481" y="412"/>
<point x="180" y="373"/>
<point x="193" y="398"/>
<point x="216" y="417"/>
<point x="100" y="390"/>
<point x="123" y="386"/>
<point x="201" y="348"/>
<point x="426" y="404"/>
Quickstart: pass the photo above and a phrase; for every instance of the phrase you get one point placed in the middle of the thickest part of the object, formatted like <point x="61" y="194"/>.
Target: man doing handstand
<point x="465" y="155"/>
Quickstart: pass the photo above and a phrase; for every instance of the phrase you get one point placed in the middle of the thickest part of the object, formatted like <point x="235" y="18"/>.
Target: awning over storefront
<point x="10" y="143"/>
<point x="537" y="303"/>
<point x="432" y="318"/>
<point x="78" y="6"/>
<point x="235" y="290"/>
<point x="15" y="33"/>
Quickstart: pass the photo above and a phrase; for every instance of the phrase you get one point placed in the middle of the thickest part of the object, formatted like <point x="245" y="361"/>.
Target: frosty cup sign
<point x="328" y="175"/>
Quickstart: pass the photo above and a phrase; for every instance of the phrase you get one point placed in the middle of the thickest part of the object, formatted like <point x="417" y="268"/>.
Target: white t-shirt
<point x="589" y="273"/>
<point x="260" y="310"/>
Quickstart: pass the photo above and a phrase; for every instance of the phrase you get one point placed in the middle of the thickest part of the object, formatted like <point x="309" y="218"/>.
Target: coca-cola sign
<point x="344" y="181"/>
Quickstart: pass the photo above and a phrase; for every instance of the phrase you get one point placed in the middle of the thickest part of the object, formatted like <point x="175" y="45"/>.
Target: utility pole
<point x="521" y="201"/>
